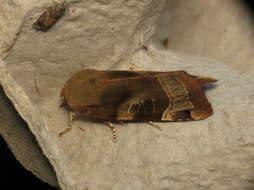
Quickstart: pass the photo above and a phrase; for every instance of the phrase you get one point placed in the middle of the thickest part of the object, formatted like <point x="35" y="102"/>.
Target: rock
<point x="22" y="142"/>
<point x="11" y="18"/>
<point x="32" y="80"/>
<point x="215" y="153"/>
<point x="216" y="29"/>
<point x="13" y="129"/>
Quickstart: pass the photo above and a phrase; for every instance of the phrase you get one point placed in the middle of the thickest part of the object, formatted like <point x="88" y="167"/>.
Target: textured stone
<point x="215" y="154"/>
<point x="22" y="142"/>
<point x="40" y="62"/>
<point x="218" y="29"/>
<point x="12" y="14"/>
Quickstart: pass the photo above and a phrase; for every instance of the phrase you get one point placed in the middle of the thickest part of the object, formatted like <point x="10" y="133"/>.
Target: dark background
<point x="250" y="5"/>
<point x="13" y="174"/>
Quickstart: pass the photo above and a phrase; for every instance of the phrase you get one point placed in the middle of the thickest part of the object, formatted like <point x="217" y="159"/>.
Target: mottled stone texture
<point x="218" y="29"/>
<point x="216" y="153"/>
<point x="41" y="62"/>
<point x="22" y="142"/>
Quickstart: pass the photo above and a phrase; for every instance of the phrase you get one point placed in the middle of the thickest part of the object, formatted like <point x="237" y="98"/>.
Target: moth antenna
<point x="154" y="125"/>
<point x="114" y="132"/>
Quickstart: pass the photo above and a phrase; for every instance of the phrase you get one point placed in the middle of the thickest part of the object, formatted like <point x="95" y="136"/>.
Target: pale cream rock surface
<point x="12" y="14"/>
<point x="12" y="128"/>
<point x="112" y="29"/>
<point x="22" y="142"/>
<point x="218" y="29"/>
<point x="216" y="153"/>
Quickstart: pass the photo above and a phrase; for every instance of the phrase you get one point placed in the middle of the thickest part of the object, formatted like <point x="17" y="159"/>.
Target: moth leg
<point x="114" y="132"/>
<point x="62" y="102"/>
<point x="154" y="125"/>
<point x="71" y="117"/>
<point x="64" y="131"/>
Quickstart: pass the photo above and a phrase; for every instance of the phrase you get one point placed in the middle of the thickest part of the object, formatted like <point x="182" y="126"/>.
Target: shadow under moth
<point x="50" y="16"/>
<point x="137" y="96"/>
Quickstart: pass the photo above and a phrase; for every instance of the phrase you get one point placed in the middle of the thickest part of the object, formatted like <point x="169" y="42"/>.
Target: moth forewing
<point x="137" y="96"/>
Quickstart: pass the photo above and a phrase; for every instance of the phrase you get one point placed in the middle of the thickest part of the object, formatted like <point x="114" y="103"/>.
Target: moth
<point x="50" y="16"/>
<point x="137" y="96"/>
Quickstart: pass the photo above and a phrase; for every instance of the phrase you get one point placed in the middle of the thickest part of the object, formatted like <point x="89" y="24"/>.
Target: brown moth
<point x="137" y="95"/>
<point x="50" y="16"/>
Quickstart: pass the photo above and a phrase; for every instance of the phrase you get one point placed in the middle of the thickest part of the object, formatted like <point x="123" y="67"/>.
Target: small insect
<point x="50" y="16"/>
<point x="136" y="96"/>
<point x="165" y="43"/>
